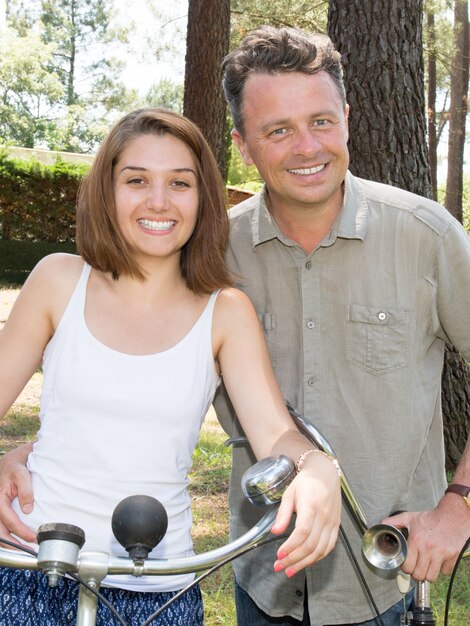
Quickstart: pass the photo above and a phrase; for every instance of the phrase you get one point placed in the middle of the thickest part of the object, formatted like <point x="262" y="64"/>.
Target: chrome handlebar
<point x="153" y="567"/>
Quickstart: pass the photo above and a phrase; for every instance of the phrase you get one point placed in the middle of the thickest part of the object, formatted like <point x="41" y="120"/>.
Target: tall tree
<point x="91" y="85"/>
<point x="432" y="86"/>
<point x="206" y="45"/>
<point x="381" y="45"/>
<point x="29" y="93"/>
<point x="458" y="109"/>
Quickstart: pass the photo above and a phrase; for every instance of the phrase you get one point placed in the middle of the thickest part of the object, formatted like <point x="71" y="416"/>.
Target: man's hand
<point x="435" y="537"/>
<point x="15" y="482"/>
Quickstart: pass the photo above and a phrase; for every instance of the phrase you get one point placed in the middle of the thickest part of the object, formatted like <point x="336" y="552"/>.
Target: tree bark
<point x="207" y="43"/>
<point x="432" y="80"/>
<point x="381" y="45"/>
<point x="458" y="110"/>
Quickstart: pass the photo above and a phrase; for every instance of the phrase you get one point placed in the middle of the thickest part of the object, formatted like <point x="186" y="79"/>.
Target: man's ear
<point x="242" y="147"/>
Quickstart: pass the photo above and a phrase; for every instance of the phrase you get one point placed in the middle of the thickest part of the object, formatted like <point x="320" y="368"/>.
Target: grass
<point x="209" y="487"/>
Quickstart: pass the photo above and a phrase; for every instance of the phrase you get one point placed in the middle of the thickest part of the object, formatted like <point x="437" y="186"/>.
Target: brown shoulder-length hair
<point x="99" y="240"/>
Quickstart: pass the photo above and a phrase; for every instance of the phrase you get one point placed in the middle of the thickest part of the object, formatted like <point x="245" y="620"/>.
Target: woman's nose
<point x="156" y="197"/>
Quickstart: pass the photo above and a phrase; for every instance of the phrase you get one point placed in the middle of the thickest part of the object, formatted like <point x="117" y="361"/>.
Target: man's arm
<point x="436" y="537"/>
<point x="15" y="482"/>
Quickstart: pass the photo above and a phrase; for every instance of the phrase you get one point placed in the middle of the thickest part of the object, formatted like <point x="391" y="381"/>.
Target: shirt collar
<point x="350" y="223"/>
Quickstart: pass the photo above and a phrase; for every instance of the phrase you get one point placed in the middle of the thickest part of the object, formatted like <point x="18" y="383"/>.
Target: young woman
<point x="133" y="336"/>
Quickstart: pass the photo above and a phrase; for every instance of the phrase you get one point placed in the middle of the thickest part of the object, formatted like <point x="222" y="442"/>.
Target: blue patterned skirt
<point x="27" y="600"/>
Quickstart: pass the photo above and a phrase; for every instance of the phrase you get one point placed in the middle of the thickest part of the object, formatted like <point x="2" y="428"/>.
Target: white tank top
<point x="115" y="425"/>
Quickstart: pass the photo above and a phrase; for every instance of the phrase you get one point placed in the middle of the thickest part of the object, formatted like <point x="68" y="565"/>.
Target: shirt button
<point x="310" y="382"/>
<point x="310" y="324"/>
<point x="308" y="265"/>
<point x="382" y="316"/>
<point x="298" y="593"/>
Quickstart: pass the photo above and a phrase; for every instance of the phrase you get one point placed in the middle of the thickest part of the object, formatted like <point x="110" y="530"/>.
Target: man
<point x="358" y="287"/>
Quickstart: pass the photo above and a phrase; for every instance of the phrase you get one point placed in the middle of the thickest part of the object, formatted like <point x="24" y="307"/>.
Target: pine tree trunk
<point x="207" y="43"/>
<point x="458" y="110"/>
<point x="381" y="45"/>
<point x="432" y="80"/>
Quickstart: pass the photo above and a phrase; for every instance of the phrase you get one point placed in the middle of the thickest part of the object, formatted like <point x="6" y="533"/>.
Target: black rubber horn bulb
<point x="139" y="523"/>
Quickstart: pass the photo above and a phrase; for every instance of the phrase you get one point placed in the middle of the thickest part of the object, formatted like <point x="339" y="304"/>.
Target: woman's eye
<point x="135" y="181"/>
<point x="180" y="183"/>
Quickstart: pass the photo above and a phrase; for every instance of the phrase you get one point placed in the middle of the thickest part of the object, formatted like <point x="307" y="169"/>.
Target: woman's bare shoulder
<point x="51" y="282"/>
<point x="57" y="270"/>
<point x="233" y="311"/>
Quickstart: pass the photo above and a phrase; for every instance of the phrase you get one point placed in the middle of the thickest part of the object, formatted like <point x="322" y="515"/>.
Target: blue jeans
<point x="249" y="613"/>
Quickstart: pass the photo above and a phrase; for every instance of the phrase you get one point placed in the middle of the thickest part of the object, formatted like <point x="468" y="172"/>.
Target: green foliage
<point x="441" y="195"/>
<point x="248" y="14"/>
<point x="17" y="258"/>
<point x="37" y="201"/>
<point x="60" y="96"/>
<point x="240" y="175"/>
<point x="28" y="91"/>
<point x="166" y="94"/>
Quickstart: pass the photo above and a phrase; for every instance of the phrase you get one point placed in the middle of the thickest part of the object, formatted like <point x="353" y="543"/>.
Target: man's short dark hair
<point x="269" y="50"/>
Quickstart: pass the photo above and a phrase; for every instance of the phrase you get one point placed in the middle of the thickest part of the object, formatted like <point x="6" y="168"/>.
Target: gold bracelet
<point x="304" y="455"/>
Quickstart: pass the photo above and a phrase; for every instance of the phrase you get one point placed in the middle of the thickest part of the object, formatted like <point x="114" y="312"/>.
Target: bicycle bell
<point x="59" y="545"/>
<point x="265" y="482"/>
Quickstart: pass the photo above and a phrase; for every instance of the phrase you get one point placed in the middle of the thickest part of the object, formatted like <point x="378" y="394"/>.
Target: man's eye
<point x="279" y="131"/>
<point x="320" y="123"/>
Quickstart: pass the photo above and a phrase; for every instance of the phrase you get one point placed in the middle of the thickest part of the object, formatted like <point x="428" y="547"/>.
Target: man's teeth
<point x="152" y="225"/>
<point x="305" y="171"/>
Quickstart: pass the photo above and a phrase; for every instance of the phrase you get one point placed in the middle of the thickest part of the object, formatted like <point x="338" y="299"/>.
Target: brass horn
<point x="383" y="546"/>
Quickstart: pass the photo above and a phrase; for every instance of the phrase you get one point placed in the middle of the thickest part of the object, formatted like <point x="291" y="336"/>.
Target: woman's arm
<point x="26" y="333"/>
<point x="314" y="495"/>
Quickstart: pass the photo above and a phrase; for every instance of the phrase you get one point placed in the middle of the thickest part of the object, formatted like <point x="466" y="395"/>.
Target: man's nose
<point x="306" y="143"/>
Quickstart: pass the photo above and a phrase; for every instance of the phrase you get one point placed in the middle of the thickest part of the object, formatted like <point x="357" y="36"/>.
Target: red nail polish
<point x="290" y="572"/>
<point x="281" y="555"/>
<point x="278" y="567"/>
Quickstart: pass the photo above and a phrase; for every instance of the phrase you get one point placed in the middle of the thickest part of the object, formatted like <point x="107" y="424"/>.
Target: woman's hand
<point x="15" y="482"/>
<point x="315" y="496"/>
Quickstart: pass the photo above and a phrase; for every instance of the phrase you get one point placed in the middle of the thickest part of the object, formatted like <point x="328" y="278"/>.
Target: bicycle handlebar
<point x="153" y="567"/>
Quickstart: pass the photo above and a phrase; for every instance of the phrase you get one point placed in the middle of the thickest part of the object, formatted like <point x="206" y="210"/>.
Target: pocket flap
<point x="377" y="315"/>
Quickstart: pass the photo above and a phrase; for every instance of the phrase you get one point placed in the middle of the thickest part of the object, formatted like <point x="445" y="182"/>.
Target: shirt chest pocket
<point x="378" y="338"/>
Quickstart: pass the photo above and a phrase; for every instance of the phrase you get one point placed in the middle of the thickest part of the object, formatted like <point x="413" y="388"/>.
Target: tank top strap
<point x="76" y="305"/>
<point x="206" y="317"/>
<point x="73" y="312"/>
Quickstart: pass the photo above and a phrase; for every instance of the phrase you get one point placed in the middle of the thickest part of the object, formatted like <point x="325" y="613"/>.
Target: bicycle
<point x="139" y="523"/>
